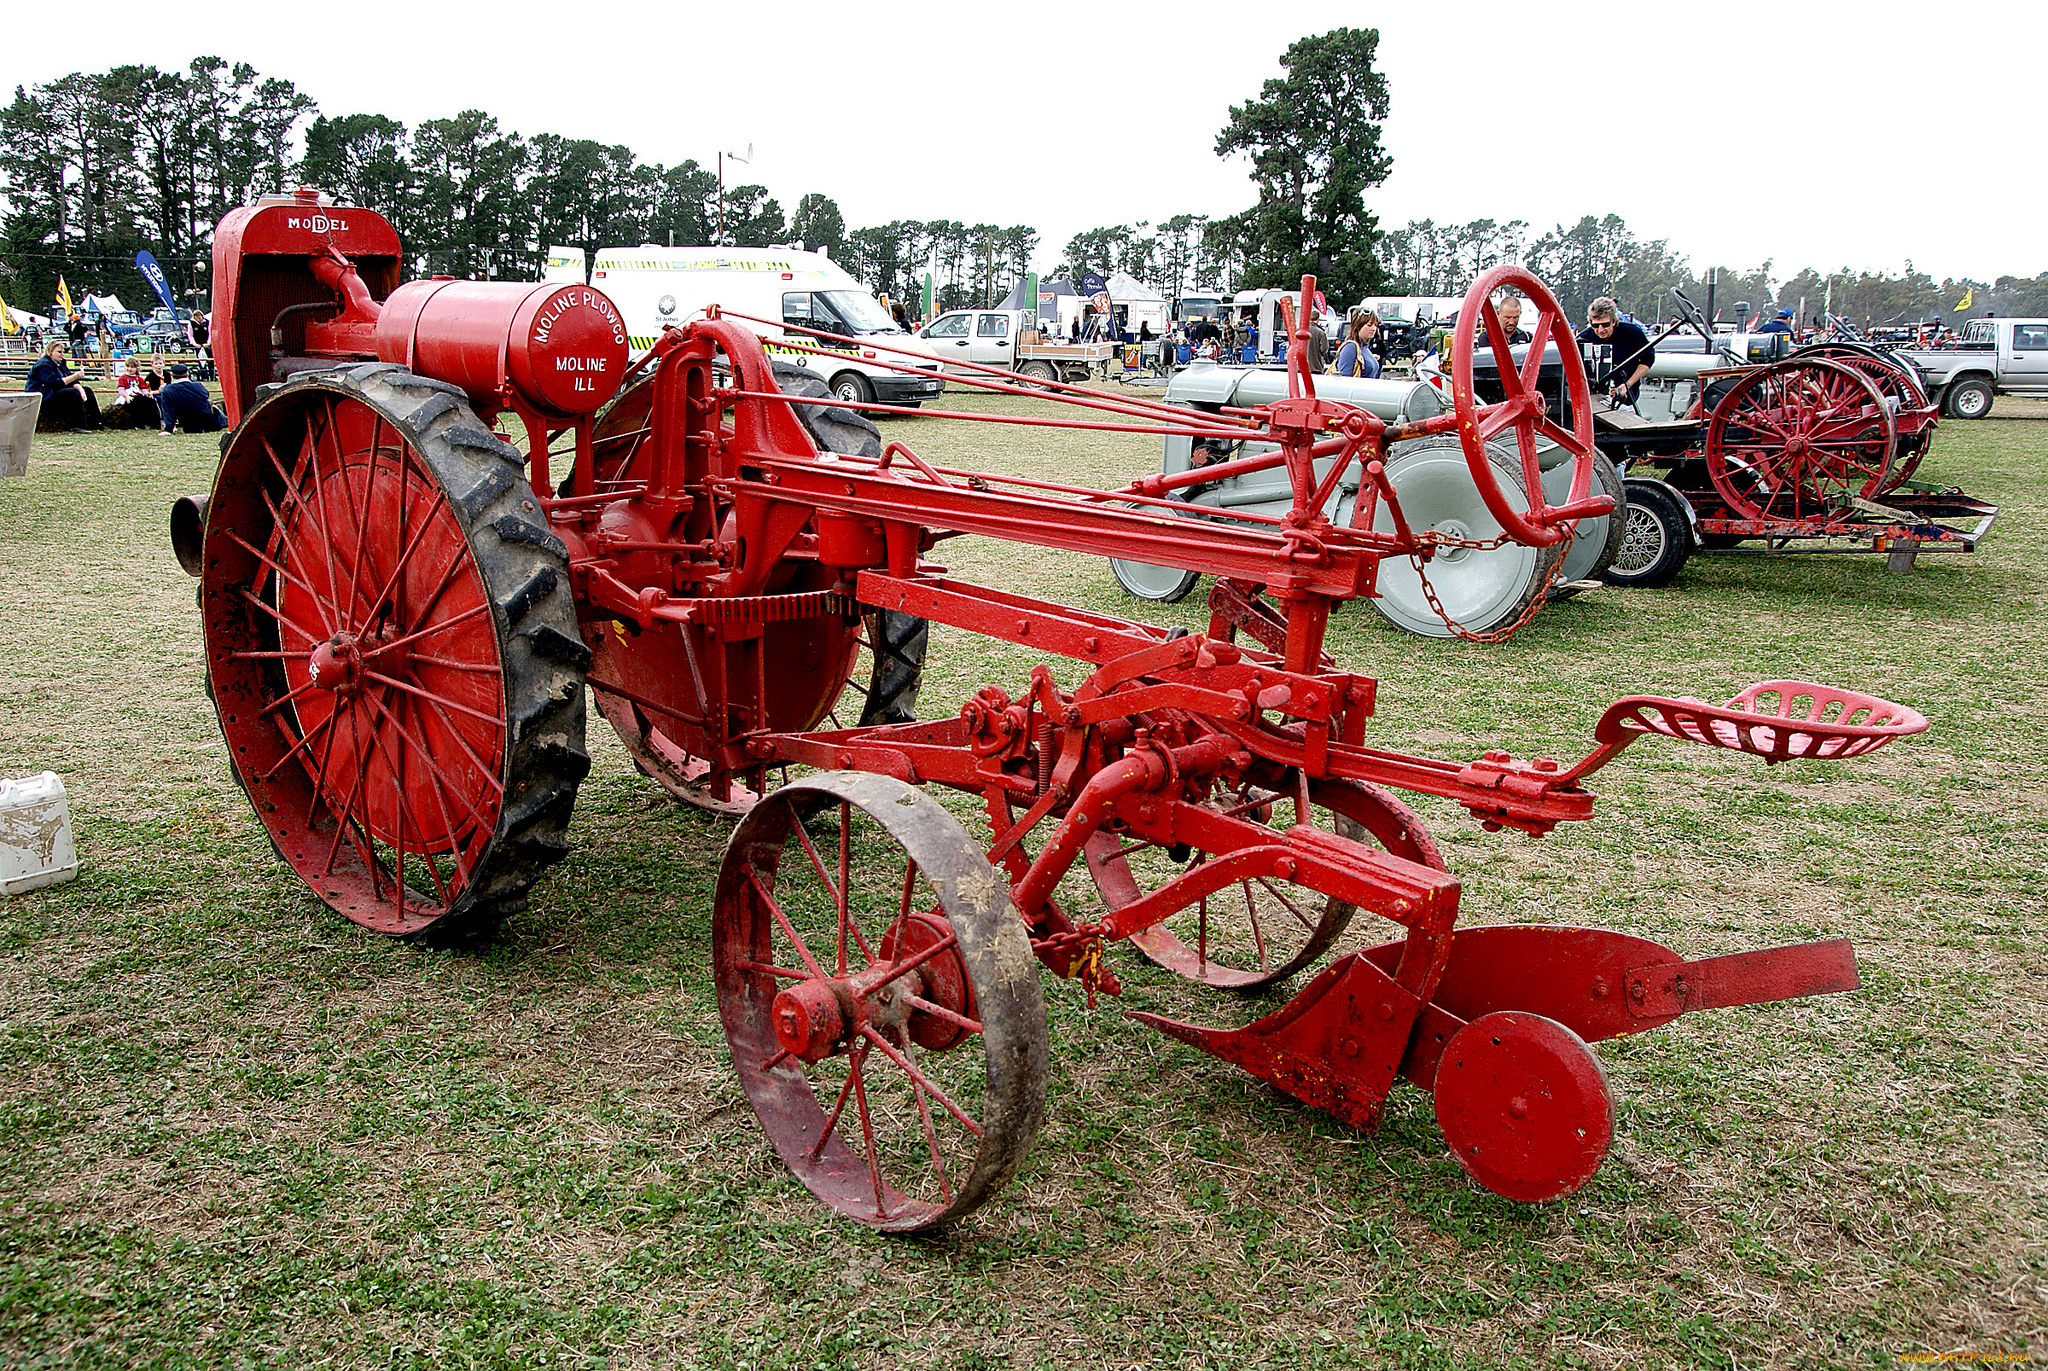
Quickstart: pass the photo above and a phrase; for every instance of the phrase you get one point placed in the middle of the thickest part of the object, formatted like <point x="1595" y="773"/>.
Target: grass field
<point x="237" y="1130"/>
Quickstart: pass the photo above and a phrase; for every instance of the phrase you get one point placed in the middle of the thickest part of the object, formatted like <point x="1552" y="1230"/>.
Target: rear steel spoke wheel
<point x="838" y="669"/>
<point x="1912" y="412"/>
<point x="392" y="648"/>
<point x="880" y="998"/>
<point x="1255" y="933"/>
<point x="1799" y="440"/>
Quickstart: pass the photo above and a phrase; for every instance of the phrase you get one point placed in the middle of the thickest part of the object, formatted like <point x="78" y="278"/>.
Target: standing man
<point x="1508" y="308"/>
<point x="1617" y="352"/>
<point x="1781" y="322"/>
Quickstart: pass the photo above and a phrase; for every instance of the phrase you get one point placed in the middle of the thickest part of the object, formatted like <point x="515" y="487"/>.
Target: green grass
<point x="235" y="1129"/>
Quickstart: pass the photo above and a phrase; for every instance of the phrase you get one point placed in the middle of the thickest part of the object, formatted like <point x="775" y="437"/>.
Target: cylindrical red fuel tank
<point x="562" y="346"/>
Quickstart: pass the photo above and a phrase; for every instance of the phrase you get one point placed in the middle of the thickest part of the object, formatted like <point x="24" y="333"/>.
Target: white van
<point x="656" y="286"/>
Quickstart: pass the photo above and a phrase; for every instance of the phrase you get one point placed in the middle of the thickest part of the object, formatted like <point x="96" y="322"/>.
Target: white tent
<point x="104" y="304"/>
<point x="1137" y="303"/>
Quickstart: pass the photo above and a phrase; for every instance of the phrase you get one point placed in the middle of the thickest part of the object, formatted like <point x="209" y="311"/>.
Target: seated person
<point x="1356" y="357"/>
<point x="134" y="398"/>
<point x="68" y="403"/>
<point x="185" y="404"/>
<point x="1618" y="352"/>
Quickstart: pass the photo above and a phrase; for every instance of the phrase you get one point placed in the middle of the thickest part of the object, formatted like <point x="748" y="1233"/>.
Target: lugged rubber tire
<point x="522" y="569"/>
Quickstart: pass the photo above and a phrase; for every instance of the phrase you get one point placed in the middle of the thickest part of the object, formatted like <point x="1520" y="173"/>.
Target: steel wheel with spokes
<point x="1799" y="440"/>
<point x="1255" y="933"/>
<point x="880" y="998"/>
<point x="392" y="649"/>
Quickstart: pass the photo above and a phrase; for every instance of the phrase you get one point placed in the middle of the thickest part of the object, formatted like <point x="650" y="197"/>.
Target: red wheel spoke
<point x="838" y="1108"/>
<point x="939" y="1011"/>
<point x="903" y="908"/>
<point x="443" y="625"/>
<point x="283" y="618"/>
<point x="360" y="517"/>
<point x="903" y="968"/>
<point x="1495" y="418"/>
<point x="484" y="769"/>
<point x="855" y="1065"/>
<point x="404" y="556"/>
<point x="316" y="508"/>
<point x="846" y="874"/>
<point x="924" y="1119"/>
<point x="434" y="772"/>
<point x="1304" y="920"/>
<point x="345" y="819"/>
<point x="1563" y="437"/>
<point x="411" y="689"/>
<point x="480" y="668"/>
<point x="285" y="656"/>
<point x="1251" y="914"/>
<point x="281" y="701"/>
<point x="770" y="969"/>
<point x="909" y="1069"/>
<point x="789" y="931"/>
<point x="284" y="574"/>
<point x="433" y="601"/>
<point x="307" y="737"/>
<point x="838" y="892"/>
<point x="1503" y="359"/>
<point x="1539" y="337"/>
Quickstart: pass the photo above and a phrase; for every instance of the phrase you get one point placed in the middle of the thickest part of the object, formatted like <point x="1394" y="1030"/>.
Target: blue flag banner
<point x="145" y="263"/>
<point x="1096" y="291"/>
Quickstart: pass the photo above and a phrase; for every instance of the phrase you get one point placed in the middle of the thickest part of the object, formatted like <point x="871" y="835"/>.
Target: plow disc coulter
<point x="403" y="611"/>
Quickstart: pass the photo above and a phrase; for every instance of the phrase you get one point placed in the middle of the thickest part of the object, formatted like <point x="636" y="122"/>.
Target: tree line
<point x="94" y="166"/>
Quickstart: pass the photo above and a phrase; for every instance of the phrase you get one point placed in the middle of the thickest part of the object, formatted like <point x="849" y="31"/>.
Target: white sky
<point x="1827" y="134"/>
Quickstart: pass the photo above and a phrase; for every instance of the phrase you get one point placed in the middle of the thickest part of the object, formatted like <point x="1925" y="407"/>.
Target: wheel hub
<point x="1453" y="528"/>
<point x="818" y="1018"/>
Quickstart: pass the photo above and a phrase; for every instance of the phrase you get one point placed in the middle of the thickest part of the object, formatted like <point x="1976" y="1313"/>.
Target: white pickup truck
<point x="1991" y="357"/>
<point x="999" y="338"/>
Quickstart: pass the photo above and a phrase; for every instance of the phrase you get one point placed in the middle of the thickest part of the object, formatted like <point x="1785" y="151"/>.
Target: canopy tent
<point x="1050" y="306"/>
<point x="1125" y="288"/>
<point x="104" y="304"/>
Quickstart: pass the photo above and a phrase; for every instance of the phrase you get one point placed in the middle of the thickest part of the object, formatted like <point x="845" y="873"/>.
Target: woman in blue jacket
<point x="68" y="403"/>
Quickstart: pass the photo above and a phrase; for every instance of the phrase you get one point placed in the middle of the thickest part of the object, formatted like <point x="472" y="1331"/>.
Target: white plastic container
<point x="35" y="834"/>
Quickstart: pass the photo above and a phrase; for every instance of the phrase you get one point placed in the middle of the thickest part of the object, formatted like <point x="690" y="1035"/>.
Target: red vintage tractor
<point x="403" y="611"/>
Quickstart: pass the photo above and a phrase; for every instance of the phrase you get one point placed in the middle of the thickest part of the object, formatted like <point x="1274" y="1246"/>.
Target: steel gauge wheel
<point x="1255" y="933"/>
<point x="880" y="999"/>
<point x="392" y="649"/>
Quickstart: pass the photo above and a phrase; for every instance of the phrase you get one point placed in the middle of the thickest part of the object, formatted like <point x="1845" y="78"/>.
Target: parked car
<point x="998" y="338"/>
<point x="1991" y="357"/>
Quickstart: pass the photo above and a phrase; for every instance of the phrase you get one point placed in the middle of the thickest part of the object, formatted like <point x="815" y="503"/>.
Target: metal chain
<point x="1087" y="967"/>
<point x="1499" y="635"/>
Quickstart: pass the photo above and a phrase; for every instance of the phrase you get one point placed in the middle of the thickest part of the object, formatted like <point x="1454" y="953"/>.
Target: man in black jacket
<point x="1617" y="352"/>
<point x="185" y="404"/>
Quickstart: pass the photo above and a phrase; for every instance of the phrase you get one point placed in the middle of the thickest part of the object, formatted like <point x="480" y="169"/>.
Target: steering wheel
<point x="1693" y="315"/>
<point x="1523" y="410"/>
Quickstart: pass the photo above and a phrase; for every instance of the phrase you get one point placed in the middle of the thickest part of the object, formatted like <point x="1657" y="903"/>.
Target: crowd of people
<point x="169" y="401"/>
